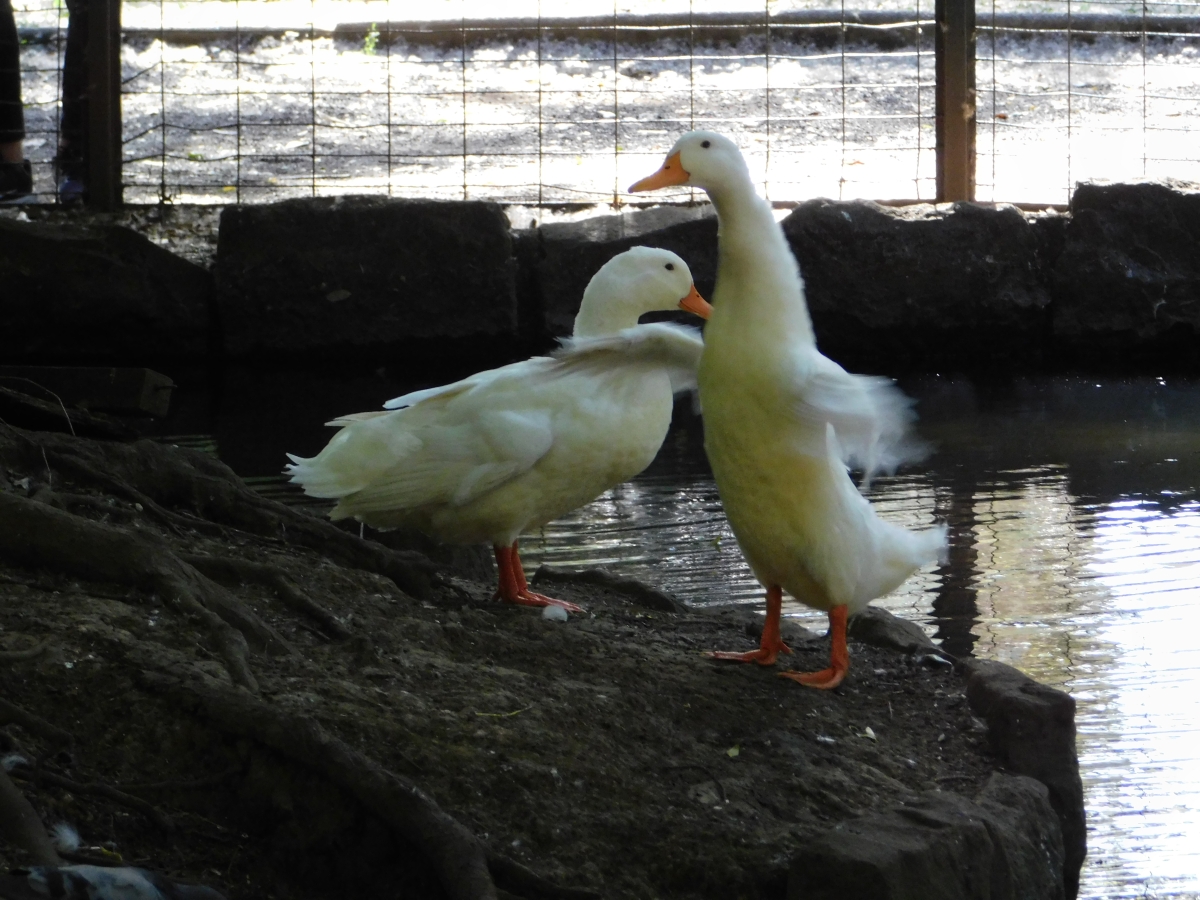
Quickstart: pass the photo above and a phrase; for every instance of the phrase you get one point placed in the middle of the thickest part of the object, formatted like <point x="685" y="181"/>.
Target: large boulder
<point x="1032" y="730"/>
<point x="98" y="294"/>
<point x="1128" y="279"/>
<point x="1003" y="845"/>
<point x="569" y="253"/>
<point x="921" y="285"/>
<point x="358" y="277"/>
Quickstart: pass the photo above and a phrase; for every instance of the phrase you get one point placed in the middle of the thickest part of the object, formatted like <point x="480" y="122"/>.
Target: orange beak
<point x="672" y="172"/>
<point x="696" y="304"/>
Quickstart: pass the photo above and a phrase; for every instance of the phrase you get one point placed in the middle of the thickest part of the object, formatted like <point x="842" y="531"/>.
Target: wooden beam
<point x="954" y="43"/>
<point x="104" y="105"/>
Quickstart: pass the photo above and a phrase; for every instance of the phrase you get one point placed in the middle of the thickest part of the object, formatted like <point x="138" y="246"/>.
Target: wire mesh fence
<point x="1098" y="91"/>
<point x="554" y="102"/>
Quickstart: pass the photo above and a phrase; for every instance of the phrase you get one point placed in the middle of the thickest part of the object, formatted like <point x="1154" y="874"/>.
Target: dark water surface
<point x="1075" y="556"/>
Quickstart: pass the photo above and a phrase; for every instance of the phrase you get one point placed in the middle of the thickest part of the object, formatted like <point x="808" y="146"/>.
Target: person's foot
<point x="68" y="177"/>
<point x="16" y="181"/>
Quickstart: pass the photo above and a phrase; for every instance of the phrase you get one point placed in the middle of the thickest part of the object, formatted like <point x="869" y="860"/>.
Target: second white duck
<point x="781" y="419"/>
<point x="510" y="449"/>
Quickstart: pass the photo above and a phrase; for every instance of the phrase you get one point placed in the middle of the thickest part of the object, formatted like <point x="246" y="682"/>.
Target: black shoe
<point x="16" y="181"/>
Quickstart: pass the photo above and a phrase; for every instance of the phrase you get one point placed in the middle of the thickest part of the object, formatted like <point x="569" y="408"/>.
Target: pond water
<point x="1075" y="556"/>
<point x="1074" y="523"/>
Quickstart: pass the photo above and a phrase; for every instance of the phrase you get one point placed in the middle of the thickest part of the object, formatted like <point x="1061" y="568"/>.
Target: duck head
<point x="703" y="159"/>
<point x="633" y="283"/>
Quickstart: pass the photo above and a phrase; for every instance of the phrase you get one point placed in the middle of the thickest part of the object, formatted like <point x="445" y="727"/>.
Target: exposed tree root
<point x="10" y="713"/>
<point x="36" y="534"/>
<point x="158" y="477"/>
<point x="99" y="789"/>
<point x="230" y="571"/>
<point x="7" y="656"/>
<point x="21" y="825"/>
<point x="457" y="855"/>
<point x="515" y="878"/>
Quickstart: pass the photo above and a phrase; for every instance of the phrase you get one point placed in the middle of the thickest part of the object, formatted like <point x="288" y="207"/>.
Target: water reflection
<point x="1075" y="556"/>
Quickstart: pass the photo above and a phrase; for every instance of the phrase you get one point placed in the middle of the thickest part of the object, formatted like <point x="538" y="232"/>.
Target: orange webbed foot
<point x="839" y="656"/>
<point x="770" y="644"/>
<point x="513" y="587"/>
<point x="825" y="680"/>
<point x="530" y="598"/>
<point x="764" y="656"/>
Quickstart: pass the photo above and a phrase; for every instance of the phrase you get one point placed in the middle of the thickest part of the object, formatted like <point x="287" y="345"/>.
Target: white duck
<point x="509" y="449"/>
<point x="781" y="420"/>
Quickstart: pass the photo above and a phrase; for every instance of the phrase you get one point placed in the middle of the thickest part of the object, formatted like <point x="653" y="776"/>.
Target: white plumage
<point x="509" y="449"/>
<point x="781" y="421"/>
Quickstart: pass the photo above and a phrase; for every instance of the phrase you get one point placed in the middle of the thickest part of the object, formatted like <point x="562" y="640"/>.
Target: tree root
<point x="515" y="878"/>
<point x="158" y="476"/>
<point x="11" y="714"/>
<point x="99" y="789"/>
<point x="457" y="855"/>
<point x="7" y="656"/>
<point x="22" y="826"/>
<point x="231" y="571"/>
<point x="36" y="534"/>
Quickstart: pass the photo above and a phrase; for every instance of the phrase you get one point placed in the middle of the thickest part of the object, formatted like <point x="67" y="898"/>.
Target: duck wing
<point x="673" y="349"/>
<point x="446" y="447"/>
<point x="870" y="415"/>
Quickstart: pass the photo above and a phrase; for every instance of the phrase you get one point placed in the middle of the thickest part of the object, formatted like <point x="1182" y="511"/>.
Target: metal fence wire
<point x="534" y="103"/>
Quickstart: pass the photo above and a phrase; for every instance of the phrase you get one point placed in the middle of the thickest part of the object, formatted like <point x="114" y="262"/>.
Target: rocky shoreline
<point x="603" y="754"/>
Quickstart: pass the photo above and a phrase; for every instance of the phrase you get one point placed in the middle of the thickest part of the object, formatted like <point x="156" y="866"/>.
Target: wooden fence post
<point x="104" y="104"/>
<point x="954" y="44"/>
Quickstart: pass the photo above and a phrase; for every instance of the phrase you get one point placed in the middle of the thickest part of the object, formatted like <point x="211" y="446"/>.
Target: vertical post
<point x="954" y="41"/>
<point x="104" y="104"/>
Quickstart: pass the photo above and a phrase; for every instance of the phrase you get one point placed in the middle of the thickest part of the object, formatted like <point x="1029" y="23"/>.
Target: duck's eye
<point x="670" y="267"/>
<point x="706" y="144"/>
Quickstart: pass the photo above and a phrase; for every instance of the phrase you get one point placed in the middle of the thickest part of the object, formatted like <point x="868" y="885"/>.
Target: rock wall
<point x="101" y="295"/>
<point x="1113" y="284"/>
<point x="345" y="276"/>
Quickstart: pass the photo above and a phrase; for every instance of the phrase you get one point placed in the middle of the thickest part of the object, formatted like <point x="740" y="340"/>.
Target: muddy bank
<point x="273" y="691"/>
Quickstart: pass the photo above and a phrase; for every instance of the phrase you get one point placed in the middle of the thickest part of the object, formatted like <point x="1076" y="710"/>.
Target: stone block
<point x="1129" y="272"/>
<point x="358" y="277"/>
<point x="1032" y="729"/>
<point x="920" y="285"/>
<point x="99" y="294"/>
<point x="1004" y="845"/>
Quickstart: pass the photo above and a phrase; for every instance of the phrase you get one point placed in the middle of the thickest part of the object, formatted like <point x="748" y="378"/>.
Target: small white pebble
<point x="69" y="665"/>
<point x="138" y="507"/>
<point x="825" y="739"/>
<point x="941" y="737"/>
<point x="554" y="613"/>
<point x="869" y="732"/>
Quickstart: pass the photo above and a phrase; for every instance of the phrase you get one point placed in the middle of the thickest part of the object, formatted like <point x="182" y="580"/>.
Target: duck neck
<point x="598" y="317"/>
<point x="754" y="254"/>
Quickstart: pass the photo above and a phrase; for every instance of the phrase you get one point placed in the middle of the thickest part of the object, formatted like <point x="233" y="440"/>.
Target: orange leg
<point x="515" y="589"/>
<point x="771" y="644"/>
<point x="839" y="656"/>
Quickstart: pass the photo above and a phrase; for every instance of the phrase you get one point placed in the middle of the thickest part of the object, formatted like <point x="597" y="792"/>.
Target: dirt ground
<point x="602" y="753"/>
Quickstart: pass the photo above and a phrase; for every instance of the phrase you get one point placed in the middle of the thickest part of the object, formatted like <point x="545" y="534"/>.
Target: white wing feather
<point x="870" y="415"/>
<point x="674" y="349"/>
